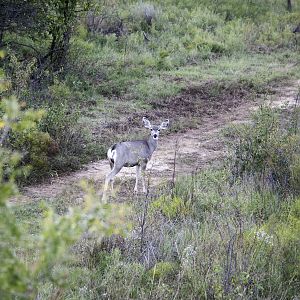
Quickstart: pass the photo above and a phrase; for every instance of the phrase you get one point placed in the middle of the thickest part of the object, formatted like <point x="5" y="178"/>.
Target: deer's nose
<point x="155" y="135"/>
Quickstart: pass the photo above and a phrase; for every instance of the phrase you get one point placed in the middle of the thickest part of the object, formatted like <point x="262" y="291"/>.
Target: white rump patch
<point x="111" y="154"/>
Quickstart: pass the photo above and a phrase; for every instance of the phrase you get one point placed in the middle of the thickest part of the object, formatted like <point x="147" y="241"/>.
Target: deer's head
<point x="155" y="129"/>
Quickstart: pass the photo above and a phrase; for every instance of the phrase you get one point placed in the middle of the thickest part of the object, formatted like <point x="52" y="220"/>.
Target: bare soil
<point x="193" y="150"/>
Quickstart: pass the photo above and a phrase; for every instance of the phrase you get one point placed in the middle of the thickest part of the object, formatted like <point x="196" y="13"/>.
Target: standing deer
<point x="133" y="153"/>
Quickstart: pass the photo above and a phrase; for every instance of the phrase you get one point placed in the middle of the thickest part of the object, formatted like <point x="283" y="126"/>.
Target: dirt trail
<point x="195" y="149"/>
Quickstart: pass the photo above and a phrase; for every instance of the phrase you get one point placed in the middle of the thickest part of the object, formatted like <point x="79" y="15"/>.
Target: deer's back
<point x="132" y="153"/>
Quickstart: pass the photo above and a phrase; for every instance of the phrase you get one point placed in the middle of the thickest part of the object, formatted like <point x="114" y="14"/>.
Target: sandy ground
<point x="194" y="150"/>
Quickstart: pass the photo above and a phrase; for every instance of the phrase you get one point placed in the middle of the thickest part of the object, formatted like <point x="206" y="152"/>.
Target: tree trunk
<point x="59" y="50"/>
<point x="289" y="5"/>
<point x="1" y="38"/>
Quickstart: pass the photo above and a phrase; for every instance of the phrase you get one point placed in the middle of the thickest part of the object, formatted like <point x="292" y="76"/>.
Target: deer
<point x="133" y="154"/>
<point x="297" y="29"/>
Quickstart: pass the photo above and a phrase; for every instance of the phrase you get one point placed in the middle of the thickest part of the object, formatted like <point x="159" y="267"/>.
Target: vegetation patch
<point x="84" y="74"/>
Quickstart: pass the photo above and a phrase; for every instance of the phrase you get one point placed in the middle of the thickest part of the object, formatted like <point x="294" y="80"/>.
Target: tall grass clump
<point x="40" y="256"/>
<point x="267" y="152"/>
<point x="213" y="237"/>
<point x="119" y="51"/>
<point x="220" y="247"/>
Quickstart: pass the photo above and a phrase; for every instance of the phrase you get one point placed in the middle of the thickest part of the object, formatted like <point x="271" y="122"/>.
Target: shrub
<point x="122" y="279"/>
<point x="171" y="207"/>
<point x="275" y="248"/>
<point x="153" y="88"/>
<point x="144" y="14"/>
<point x="24" y="276"/>
<point x="57" y="142"/>
<point x="275" y="31"/>
<point x="62" y="126"/>
<point x="205" y="19"/>
<point x="204" y="192"/>
<point x="288" y="234"/>
<point x="20" y="73"/>
<point x="36" y="147"/>
<point x="163" y="270"/>
<point x="105" y="22"/>
<point x="266" y="151"/>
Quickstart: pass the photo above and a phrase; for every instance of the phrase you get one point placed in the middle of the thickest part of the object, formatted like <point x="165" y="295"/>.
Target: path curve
<point x="194" y="149"/>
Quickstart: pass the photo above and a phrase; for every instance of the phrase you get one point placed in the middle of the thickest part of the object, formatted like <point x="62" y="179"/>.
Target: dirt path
<point x="194" y="149"/>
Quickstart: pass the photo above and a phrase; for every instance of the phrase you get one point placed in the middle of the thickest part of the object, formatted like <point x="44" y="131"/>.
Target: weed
<point x="266" y="151"/>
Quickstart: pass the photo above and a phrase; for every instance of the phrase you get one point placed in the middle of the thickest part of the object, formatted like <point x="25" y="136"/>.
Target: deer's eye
<point x="151" y="129"/>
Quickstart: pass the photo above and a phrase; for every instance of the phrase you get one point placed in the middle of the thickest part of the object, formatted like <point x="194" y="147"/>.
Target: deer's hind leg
<point x="110" y="179"/>
<point x="113" y="179"/>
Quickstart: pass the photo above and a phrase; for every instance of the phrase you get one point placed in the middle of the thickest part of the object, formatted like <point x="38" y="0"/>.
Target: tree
<point x="61" y="17"/>
<point x="21" y="17"/>
<point x="51" y="23"/>
<point x="18" y="279"/>
<point x="289" y="5"/>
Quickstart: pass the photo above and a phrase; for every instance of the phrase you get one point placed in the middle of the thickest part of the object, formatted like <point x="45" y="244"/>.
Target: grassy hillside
<point x="225" y="233"/>
<point x="130" y="59"/>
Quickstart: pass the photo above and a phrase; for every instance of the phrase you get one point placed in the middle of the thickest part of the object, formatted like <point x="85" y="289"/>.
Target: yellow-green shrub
<point x="275" y="255"/>
<point x="288" y="234"/>
<point x="171" y="207"/>
<point x="36" y="147"/>
<point x="266" y="151"/>
<point x="163" y="270"/>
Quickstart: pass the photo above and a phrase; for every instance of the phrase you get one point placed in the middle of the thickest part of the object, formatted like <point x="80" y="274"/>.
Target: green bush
<point x="143" y="15"/>
<point x="287" y="232"/>
<point x="275" y="31"/>
<point x="56" y="144"/>
<point x="70" y="140"/>
<point x="30" y="264"/>
<point x="20" y="73"/>
<point x="266" y="151"/>
<point x="36" y="146"/>
<point x="203" y="193"/>
<point x="122" y="279"/>
<point x="172" y="207"/>
<point x="163" y="271"/>
<point x="275" y="247"/>
<point x="28" y="261"/>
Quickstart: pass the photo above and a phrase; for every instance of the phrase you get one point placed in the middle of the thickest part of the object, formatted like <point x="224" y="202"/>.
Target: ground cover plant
<point x="219" y="233"/>
<point x="82" y="75"/>
<point x="122" y="60"/>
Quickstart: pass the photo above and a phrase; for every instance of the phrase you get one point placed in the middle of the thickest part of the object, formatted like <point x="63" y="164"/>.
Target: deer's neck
<point x="152" y="143"/>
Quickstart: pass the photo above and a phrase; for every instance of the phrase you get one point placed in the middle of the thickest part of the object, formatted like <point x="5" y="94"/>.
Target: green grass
<point x="216" y="234"/>
<point x="187" y="252"/>
<point x="29" y="216"/>
<point x="263" y="68"/>
<point x="110" y="79"/>
<point x="253" y="71"/>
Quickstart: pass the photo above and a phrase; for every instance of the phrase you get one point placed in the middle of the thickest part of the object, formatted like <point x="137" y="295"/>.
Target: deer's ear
<point x="146" y="122"/>
<point x="165" y="124"/>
